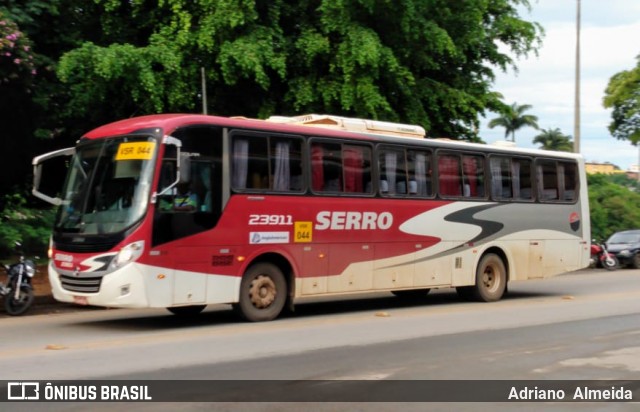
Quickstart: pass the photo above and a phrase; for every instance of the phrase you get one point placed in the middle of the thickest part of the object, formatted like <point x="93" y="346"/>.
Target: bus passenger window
<point x="569" y="179"/>
<point x="521" y="172"/>
<point x="250" y="164"/>
<point x="500" y="168"/>
<point x="296" y="182"/>
<point x="393" y="174"/>
<point x="266" y="163"/>
<point x="342" y="168"/>
<point x="317" y="171"/>
<point x="547" y="177"/>
<point x="357" y="169"/>
<point x="326" y="167"/>
<point x="419" y="165"/>
<point x="332" y="168"/>
<point x="285" y="164"/>
<point x="473" y="175"/>
<point x="449" y="178"/>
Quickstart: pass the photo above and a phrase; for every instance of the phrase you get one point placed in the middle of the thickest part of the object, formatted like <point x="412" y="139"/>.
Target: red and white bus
<point x="180" y="211"/>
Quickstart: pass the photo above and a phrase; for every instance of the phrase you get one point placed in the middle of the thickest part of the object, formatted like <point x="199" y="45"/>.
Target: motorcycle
<point x="18" y="292"/>
<point x="600" y="257"/>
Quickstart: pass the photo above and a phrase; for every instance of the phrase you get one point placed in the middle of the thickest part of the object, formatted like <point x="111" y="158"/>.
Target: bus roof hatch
<point x="352" y="124"/>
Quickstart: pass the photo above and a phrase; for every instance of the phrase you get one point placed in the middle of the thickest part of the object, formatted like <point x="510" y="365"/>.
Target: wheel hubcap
<point x="489" y="278"/>
<point x="262" y="292"/>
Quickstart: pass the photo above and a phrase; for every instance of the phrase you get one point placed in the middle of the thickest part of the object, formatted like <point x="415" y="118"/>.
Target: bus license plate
<point x="80" y="300"/>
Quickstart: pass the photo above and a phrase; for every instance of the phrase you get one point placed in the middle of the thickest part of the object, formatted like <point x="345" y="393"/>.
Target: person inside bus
<point x="183" y="201"/>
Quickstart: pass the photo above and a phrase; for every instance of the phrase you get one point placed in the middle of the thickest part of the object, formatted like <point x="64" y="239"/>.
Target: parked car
<point x="626" y="246"/>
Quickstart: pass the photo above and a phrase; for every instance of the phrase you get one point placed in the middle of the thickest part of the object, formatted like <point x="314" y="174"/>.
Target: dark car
<point x="626" y="245"/>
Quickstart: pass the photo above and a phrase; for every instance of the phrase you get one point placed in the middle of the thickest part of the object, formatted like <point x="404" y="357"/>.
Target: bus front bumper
<point x="123" y="288"/>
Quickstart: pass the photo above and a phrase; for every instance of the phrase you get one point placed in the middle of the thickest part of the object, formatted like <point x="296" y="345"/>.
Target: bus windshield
<point x="108" y="185"/>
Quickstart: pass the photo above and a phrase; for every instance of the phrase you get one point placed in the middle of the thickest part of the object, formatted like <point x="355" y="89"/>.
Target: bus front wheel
<point x="491" y="280"/>
<point x="263" y="293"/>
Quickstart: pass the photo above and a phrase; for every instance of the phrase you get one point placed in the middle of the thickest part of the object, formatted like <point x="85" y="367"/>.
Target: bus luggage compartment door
<point x="536" y="259"/>
<point x="190" y="283"/>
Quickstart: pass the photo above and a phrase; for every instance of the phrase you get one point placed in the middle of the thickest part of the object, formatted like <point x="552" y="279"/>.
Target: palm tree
<point x="513" y="118"/>
<point x="554" y="140"/>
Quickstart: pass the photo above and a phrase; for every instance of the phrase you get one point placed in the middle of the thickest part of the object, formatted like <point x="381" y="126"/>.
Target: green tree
<point x="612" y="207"/>
<point x="553" y="139"/>
<point x="623" y="96"/>
<point x="31" y="101"/>
<point x="30" y="227"/>
<point x="513" y="118"/>
<point x="625" y="181"/>
<point x="428" y="62"/>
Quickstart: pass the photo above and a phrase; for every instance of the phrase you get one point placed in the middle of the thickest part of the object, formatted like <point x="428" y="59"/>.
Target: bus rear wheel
<point x="263" y="293"/>
<point x="491" y="280"/>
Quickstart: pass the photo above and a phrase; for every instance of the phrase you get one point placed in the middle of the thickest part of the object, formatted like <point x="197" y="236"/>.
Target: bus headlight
<point x="127" y="254"/>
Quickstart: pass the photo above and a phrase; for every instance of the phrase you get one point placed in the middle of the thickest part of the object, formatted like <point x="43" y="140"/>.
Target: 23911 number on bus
<point x="271" y="220"/>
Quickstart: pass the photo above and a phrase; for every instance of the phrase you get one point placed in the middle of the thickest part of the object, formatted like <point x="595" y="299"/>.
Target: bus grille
<point x="82" y="248"/>
<point x="84" y="285"/>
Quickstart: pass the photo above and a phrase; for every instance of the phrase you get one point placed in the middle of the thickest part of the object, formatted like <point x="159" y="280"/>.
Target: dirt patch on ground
<point x="40" y="282"/>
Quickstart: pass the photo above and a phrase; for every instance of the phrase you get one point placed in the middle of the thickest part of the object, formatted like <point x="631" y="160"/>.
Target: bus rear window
<point x="557" y="180"/>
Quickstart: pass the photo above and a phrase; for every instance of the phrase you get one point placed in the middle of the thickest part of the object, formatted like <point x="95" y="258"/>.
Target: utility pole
<point x="576" y="109"/>
<point x="204" y="91"/>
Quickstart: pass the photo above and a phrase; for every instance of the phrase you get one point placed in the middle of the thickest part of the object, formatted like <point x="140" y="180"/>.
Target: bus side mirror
<point x="38" y="162"/>
<point x="178" y="144"/>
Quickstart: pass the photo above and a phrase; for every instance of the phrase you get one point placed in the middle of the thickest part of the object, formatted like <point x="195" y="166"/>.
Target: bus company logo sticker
<point x="574" y="221"/>
<point x="93" y="264"/>
<point x="98" y="263"/>
<point x="342" y="220"/>
<point x="261" y="238"/>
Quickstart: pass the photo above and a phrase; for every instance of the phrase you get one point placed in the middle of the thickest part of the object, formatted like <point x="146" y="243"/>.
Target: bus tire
<point x="491" y="279"/>
<point x="186" y="310"/>
<point x="263" y="293"/>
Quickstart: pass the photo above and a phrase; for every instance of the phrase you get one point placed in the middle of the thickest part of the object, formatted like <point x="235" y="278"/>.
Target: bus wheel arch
<point x="491" y="277"/>
<point x="265" y="289"/>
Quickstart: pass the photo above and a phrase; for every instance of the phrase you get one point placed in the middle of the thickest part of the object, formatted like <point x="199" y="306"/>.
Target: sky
<point x="610" y="30"/>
